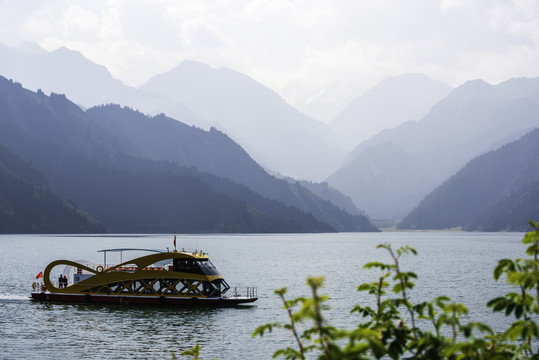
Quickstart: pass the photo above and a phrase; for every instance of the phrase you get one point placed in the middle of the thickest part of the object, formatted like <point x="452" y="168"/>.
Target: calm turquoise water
<point x="455" y="264"/>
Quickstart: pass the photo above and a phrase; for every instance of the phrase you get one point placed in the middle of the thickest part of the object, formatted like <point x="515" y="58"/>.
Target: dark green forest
<point x="511" y="212"/>
<point x="170" y="199"/>
<point x="27" y="205"/>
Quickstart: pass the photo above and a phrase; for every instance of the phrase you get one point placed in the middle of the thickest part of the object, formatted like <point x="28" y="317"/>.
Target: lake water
<point x="456" y="264"/>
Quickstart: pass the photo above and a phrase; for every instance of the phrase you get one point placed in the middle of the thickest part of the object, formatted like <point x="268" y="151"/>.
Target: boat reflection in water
<point x="178" y="278"/>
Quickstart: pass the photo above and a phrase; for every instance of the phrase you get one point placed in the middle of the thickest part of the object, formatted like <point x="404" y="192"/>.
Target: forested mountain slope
<point x="495" y="183"/>
<point x="162" y="138"/>
<point x="389" y="174"/>
<point x="511" y="213"/>
<point x="57" y="136"/>
<point x="277" y="135"/>
<point x="28" y="206"/>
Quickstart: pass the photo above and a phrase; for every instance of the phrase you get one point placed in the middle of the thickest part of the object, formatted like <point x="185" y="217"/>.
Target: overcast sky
<point x="312" y="42"/>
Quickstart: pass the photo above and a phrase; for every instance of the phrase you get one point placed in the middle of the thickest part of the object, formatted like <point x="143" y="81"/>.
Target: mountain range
<point x="391" y="172"/>
<point x="275" y="134"/>
<point x="162" y="138"/>
<point x="65" y="71"/>
<point x="409" y="134"/>
<point x="388" y="104"/>
<point x="136" y="173"/>
<point x="495" y="191"/>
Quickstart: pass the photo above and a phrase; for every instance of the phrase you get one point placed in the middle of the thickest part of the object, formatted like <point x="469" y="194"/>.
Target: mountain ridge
<point x="476" y="188"/>
<point x="277" y="135"/>
<point x="56" y="134"/>
<point x="389" y="103"/>
<point x="89" y="84"/>
<point x="469" y="121"/>
<point x="234" y="163"/>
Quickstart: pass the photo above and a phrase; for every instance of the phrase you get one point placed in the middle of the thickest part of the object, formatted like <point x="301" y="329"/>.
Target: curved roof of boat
<point x="164" y="253"/>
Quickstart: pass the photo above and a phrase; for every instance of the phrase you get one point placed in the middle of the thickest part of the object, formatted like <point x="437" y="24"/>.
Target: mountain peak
<point x="390" y="103"/>
<point x="407" y="78"/>
<point x="275" y="133"/>
<point x="64" y="51"/>
<point x="193" y="69"/>
<point x="473" y="86"/>
<point x="192" y="64"/>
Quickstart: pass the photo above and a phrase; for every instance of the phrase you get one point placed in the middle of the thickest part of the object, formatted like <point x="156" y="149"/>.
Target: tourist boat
<point x="178" y="278"/>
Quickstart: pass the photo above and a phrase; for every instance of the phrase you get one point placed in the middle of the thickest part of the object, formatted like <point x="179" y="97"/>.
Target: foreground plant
<point x="395" y="327"/>
<point x="193" y="353"/>
<point x="523" y="304"/>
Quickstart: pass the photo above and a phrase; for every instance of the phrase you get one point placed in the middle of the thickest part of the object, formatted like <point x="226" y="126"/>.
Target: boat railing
<point x="132" y="269"/>
<point x="243" y="292"/>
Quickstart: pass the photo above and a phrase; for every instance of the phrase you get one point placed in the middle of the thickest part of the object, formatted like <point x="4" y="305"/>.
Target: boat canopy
<point x="105" y="251"/>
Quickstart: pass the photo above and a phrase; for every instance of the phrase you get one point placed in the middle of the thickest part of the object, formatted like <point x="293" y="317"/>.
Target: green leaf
<point x="481" y="327"/>
<point x="530" y="237"/>
<point x="497" y="304"/>
<point x="509" y="309"/>
<point x="378" y="265"/>
<point x="503" y="266"/>
<point x="364" y="287"/>
<point x="265" y="328"/>
<point x="519" y="310"/>
<point x="515" y="331"/>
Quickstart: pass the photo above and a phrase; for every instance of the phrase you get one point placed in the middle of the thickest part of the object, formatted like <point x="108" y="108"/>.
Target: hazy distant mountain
<point x="120" y="168"/>
<point x="495" y="191"/>
<point x="389" y="174"/>
<point x="333" y="195"/>
<point x="321" y="104"/>
<point x="28" y="206"/>
<point x="273" y="132"/>
<point x="88" y="84"/>
<point x="390" y="103"/>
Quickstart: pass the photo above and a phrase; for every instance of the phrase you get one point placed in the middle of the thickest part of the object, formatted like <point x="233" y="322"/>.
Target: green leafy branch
<point x="397" y="328"/>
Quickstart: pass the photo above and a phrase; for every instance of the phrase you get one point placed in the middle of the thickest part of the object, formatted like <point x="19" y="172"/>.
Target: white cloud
<point x="315" y="42"/>
<point x="110" y="25"/>
<point x="198" y="31"/>
<point x="79" y="21"/>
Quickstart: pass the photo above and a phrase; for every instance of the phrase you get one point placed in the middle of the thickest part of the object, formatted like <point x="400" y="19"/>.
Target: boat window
<point x="185" y="265"/>
<point x="207" y="267"/>
<point x="195" y="266"/>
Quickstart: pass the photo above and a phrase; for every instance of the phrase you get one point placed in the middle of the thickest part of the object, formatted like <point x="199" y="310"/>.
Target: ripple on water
<point x="455" y="264"/>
